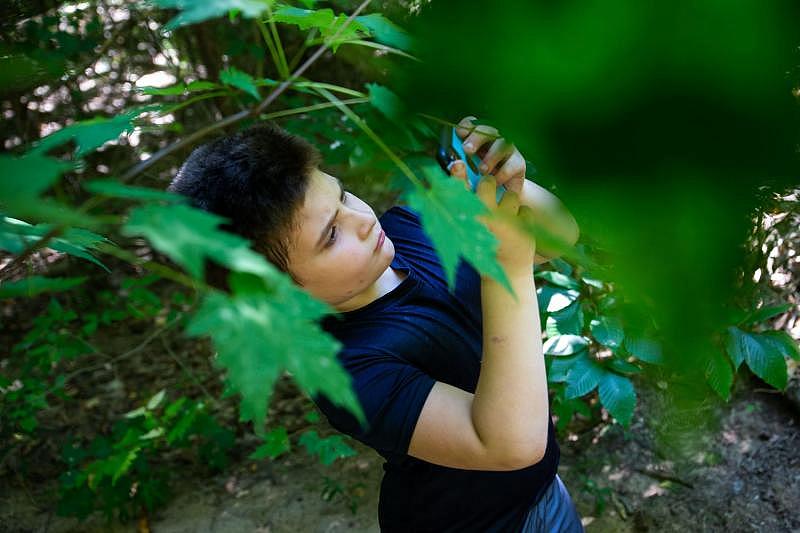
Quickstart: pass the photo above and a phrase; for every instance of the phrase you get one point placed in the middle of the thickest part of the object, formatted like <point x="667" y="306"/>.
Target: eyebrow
<point x="333" y="218"/>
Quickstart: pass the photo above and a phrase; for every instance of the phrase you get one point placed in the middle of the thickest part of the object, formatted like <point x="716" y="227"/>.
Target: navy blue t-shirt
<point x="395" y="348"/>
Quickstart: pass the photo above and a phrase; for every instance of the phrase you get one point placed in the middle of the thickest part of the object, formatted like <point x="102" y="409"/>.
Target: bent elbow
<point x="528" y="458"/>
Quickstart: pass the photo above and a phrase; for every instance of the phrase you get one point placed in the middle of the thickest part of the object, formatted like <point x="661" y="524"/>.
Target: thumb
<point x="458" y="169"/>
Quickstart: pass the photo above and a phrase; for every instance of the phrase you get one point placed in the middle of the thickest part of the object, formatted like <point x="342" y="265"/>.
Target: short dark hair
<point x="256" y="178"/>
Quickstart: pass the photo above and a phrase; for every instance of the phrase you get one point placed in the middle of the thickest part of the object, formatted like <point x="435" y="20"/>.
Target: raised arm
<point x="504" y="425"/>
<point x="505" y="162"/>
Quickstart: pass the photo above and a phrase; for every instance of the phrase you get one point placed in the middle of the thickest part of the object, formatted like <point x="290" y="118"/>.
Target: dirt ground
<point x="745" y="476"/>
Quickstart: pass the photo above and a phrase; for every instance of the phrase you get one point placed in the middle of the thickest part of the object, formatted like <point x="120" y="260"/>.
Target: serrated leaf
<point x="762" y="354"/>
<point x="783" y="343"/>
<point x="719" y="375"/>
<point x="553" y="299"/>
<point x="386" y="32"/>
<point x="276" y="442"/>
<point x="765" y="313"/>
<point x="607" y="331"/>
<point x="259" y="335"/>
<point x="583" y="377"/>
<point x="34" y="285"/>
<point x="646" y="350"/>
<point x="120" y="190"/>
<point x="16" y="235"/>
<point x="325" y="21"/>
<point x="189" y="235"/>
<point x="567" y="321"/>
<point x="93" y="133"/>
<point x="448" y="213"/>
<point x="618" y="396"/>
<point x="558" y="368"/>
<point x="328" y="449"/>
<point x="558" y="279"/>
<point x="565" y="345"/>
<point x="193" y="11"/>
<point x="241" y="80"/>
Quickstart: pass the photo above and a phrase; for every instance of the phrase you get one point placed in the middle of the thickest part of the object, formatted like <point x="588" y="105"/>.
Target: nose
<point x="364" y="221"/>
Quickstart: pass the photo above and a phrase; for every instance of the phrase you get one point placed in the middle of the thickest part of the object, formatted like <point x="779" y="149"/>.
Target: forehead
<point x="321" y="200"/>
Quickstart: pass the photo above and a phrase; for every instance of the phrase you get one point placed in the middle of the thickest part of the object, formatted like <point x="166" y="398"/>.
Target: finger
<point x="479" y="136"/>
<point x="509" y="203"/>
<point x="465" y="126"/>
<point x="511" y="173"/>
<point x="487" y="192"/>
<point x="498" y="150"/>
<point x="458" y="169"/>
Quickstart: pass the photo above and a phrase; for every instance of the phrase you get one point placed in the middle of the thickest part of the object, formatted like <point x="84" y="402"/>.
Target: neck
<point x="383" y="285"/>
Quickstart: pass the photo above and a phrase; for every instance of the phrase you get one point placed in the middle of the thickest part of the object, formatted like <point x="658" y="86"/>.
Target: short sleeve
<point x="392" y="393"/>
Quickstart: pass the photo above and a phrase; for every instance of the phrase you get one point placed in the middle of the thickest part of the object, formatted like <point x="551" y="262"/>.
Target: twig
<point x="188" y="371"/>
<point x="125" y="355"/>
<point x="663" y="477"/>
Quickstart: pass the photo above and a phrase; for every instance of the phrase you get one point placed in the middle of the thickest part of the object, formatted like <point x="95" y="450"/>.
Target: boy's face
<point x="338" y="263"/>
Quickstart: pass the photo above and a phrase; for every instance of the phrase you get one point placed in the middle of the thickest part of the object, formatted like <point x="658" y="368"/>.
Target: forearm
<point x="510" y="407"/>
<point x="556" y="222"/>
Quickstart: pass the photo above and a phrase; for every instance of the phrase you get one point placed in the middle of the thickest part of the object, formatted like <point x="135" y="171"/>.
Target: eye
<point x="332" y="239"/>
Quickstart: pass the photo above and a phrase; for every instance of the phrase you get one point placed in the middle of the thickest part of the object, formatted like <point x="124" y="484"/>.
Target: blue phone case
<point x="458" y="152"/>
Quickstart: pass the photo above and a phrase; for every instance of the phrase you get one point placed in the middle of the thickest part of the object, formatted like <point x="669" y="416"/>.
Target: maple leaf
<point x="448" y="213"/>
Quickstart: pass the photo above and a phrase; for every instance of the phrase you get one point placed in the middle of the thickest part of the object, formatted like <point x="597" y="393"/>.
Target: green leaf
<point x="553" y="299"/>
<point x="118" y="465"/>
<point x="448" y="214"/>
<point x="16" y="235"/>
<point x="193" y="11"/>
<point x="645" y="350"/>
<point x="93" y="133"/>
<point x="179" y="88"/>
<point x="783" y="343"/>
<point x="25" y="178"/>
<point x="34" y="285"/>
<point x="558" y="368"/>
<point x="558" y="279"/>
<point x="276" y="442"/>
<point x="385" y="101"/>
<point x="120" y="190"/>
<point x="762" y="354"/>
<point x="241" y="80"/>
<point x="328" y="449"/>
<point x="259" y="333"/>
<point x="618" y="396"/>
<point x="719" y="375"/>
<point x="189" y="235"/>
<point x="386" y="32"/>
<point x="565" y="345"/>
<point x="623" y="367"/>
<point x="567" y="321"/>
<point x="156" y="400"/>
<point x="759" y="315"/>
<point x="583" y="377"/>
<point x="325" y="21"/>
<point x="607" y="331"/>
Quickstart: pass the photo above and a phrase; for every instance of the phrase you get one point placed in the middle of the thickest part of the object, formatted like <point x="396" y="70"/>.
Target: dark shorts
<point x="554" y="513"/>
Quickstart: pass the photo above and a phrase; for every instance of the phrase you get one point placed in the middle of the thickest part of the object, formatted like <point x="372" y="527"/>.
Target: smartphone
<point x="450" y="149"/>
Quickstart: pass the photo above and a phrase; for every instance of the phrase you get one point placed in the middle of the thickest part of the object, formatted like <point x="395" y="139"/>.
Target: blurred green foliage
<point x="662" y="128"/>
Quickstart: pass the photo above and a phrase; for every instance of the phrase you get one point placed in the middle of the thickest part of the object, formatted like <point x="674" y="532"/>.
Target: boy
<point x="452" y="384"/>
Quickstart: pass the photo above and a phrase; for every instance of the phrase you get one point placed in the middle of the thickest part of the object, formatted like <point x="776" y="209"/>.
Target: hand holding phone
<point x="451" y="149"/>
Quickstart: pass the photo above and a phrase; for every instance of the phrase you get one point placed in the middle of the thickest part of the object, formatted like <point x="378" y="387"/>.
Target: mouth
<point x="381" y="238"/>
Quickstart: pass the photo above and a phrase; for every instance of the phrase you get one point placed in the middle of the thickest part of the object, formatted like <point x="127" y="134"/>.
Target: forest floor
<point x="744" y="476"/>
